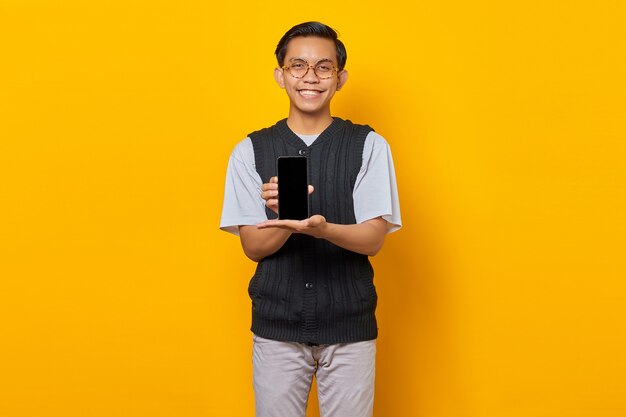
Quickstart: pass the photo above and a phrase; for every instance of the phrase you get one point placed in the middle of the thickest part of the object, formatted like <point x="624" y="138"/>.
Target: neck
<point x="308" y="124"/>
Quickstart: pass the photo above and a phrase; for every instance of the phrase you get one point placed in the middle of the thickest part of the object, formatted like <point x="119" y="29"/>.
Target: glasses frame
<point x="309" y="66"/>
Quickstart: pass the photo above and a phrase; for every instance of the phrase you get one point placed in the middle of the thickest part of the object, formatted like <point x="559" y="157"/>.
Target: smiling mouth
<point x="309" y="93"/>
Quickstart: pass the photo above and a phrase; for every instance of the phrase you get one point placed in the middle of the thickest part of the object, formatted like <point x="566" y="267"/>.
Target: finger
<point x="269" y="194"/>
<point x="283" y="224"/>
<point x="272" y="204"/>
<point x="294" y="225"/>
<point x="274" y="180"/>
<point x="269" y="186"/>
<point x="311" y="189"/>
<point x="266" y="223"/>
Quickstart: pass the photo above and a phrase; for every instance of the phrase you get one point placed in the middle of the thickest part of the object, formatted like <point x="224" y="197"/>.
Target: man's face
<point x="310" y="95"/>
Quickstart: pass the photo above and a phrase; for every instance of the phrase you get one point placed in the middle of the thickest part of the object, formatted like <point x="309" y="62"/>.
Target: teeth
<point x="309" y="92"/>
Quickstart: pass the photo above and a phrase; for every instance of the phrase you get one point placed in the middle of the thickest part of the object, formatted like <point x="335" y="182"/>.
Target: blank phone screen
<point x="293" y="188"/>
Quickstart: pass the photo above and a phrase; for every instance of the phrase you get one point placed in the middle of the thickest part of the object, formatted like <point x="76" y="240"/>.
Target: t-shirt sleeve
<point x="375" y="192"/>
<point x="243" y="204"/>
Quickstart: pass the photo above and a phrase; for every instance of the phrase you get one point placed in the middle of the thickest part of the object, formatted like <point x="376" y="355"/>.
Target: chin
<point x="308" y="107"/>
<point x="311" y="112"/>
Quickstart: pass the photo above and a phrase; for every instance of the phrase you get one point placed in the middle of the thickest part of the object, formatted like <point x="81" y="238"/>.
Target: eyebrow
<point x="321" y="60"/>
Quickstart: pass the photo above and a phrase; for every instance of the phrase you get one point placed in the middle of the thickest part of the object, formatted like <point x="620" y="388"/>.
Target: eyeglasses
<point x="322" y="70"/>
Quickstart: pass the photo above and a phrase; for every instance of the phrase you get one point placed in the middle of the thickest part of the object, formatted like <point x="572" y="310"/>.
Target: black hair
<point x="315" y="29"/>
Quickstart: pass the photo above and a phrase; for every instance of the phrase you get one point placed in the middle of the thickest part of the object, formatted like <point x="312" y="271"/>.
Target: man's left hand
<point x="313" y="226"/>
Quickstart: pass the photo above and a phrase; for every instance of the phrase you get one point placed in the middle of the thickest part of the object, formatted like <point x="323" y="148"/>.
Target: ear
<point x="342" y="77"/>
<point x="279" y="76"/>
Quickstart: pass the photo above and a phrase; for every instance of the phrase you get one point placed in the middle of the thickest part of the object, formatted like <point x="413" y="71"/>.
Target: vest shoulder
<point x="357" y="126"/>
<point x="259" y="133"/>
<point x="263" y="132"/>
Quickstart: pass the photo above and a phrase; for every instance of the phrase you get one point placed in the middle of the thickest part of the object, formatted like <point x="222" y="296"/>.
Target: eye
<point x="298" y="65"/>
<point x="324" y="67"/>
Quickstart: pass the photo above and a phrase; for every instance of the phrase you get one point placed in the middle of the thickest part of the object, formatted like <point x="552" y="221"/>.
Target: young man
<point x="313" y="297"/>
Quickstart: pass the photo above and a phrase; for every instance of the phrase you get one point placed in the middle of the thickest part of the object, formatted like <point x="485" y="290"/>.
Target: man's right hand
<point x="269" y="193"/>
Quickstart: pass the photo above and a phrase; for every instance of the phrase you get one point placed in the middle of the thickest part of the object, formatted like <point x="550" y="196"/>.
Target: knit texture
<point x="312" y="290"/>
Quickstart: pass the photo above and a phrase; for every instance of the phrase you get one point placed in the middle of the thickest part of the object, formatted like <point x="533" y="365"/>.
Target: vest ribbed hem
<point x="345" y="330"/>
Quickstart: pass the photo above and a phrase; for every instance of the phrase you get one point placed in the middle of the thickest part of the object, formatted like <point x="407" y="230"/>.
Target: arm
<point x="259" y="243"/>
<point x="366" y="238"/>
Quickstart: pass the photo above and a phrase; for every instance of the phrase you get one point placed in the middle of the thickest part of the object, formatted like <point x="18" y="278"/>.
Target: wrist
<point x="326" y="231"/>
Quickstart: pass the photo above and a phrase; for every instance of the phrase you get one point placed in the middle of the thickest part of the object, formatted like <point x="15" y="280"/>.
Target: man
<point x="313" y="297"/>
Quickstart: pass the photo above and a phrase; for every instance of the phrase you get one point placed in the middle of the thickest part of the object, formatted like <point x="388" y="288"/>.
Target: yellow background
<point x="503" y="295"/>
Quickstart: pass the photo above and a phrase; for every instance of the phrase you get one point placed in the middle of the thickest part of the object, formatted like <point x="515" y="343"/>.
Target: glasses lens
<point x="298" y="68"/>
<point x="324" y="69"/>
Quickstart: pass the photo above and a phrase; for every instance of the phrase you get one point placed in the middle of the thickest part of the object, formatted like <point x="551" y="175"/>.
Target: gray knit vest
<point x="310" y="290"/>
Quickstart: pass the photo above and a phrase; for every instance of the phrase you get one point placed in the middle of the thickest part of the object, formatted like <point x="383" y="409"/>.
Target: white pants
<point x="283" y="372"/>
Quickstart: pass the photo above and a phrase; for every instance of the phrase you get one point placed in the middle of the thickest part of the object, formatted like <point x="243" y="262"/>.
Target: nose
<point x="311" y="76"/>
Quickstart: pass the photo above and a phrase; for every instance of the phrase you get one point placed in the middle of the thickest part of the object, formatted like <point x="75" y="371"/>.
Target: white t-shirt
<point x="375" y="191"/>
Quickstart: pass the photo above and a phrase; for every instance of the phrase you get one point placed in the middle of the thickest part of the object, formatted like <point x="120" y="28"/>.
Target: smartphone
<point x="293" y="188"/>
